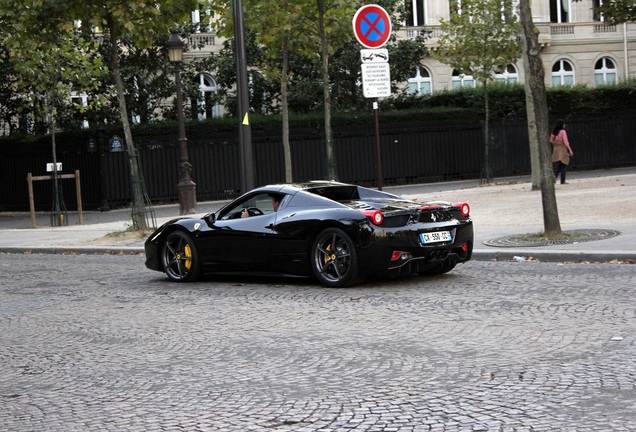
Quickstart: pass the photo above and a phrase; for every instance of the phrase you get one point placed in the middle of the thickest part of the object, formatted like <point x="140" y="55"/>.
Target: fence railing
<point x="410" y="153"/>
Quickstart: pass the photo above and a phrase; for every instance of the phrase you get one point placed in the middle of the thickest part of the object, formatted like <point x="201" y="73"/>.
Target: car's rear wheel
<point x="444" y="267"/>
<point x="334" y="259"/>
<point x="179" y="257"/>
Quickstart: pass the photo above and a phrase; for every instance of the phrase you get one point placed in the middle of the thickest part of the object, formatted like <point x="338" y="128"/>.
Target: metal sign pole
<point x="378" y="152"/>
<point x="372" y="28"/>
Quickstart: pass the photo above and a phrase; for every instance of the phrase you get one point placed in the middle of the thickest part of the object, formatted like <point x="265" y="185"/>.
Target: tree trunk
<point x="139" y="209"/>
<point x="324" y="55"/>
<point x="57" y="205"/>
<point x="285" y="112"/>
<point x="535" y="165"/>
<point x="536" y="101"/>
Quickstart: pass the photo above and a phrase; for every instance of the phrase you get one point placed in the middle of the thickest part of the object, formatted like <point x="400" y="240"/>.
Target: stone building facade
<point x="578" y="47"/>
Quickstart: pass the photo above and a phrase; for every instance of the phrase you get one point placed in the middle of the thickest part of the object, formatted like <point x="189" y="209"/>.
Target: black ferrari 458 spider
<point x="336" y="232"/>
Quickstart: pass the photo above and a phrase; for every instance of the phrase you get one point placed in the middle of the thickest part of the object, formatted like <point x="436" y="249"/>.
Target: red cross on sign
<point x="372" y="26"/>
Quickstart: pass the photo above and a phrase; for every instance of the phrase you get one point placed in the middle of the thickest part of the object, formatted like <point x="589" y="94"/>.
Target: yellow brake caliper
<point x="188" y="253"/>
<point x="327" y="258"/>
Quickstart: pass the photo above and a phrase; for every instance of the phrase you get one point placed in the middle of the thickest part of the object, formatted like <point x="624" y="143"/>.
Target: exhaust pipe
<point x="438" y="255"/>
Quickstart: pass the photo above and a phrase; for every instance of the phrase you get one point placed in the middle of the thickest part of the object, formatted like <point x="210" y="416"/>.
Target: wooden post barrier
<point x="78" y="191"/>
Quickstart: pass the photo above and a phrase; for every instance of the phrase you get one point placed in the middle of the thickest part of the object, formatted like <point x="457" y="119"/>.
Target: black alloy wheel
<point x="334" y="259"/>
<point x="179" y="257"/>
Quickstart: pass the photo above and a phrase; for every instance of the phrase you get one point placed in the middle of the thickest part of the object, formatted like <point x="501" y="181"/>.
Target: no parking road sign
<point x="372" y="26"/>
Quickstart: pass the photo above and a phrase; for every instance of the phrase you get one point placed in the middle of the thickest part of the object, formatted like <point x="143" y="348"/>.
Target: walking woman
<point x="562" y="151"/>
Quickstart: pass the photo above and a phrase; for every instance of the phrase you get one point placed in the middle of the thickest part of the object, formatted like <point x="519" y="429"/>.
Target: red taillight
<point x="465" y="247"/>
<point x="464" y="208"/>
<point x="397" y="255"/>
<point x="374" y="216"/>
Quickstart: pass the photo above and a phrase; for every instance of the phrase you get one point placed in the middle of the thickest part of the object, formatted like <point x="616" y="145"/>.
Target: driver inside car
<point x="275" y="203"/>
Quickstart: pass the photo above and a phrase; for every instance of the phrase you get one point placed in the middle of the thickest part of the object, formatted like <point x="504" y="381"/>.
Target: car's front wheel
<point x="334" y="259"/>
<point x="179" y="257"/>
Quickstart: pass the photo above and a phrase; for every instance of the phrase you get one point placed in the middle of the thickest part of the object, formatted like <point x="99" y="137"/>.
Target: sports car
<point x="338" y="233"/>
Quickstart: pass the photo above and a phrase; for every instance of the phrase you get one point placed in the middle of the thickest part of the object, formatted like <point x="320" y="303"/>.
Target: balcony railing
<point x="548" y="32"/>
<point x="430" y="31"/>
<point x="201" y="40"/>
<point x="561" y="29"/>
<point x="584" y="30"/>
<point x="604" y="28"/>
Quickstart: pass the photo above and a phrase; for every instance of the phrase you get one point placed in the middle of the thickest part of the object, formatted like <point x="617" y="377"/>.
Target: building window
<point x="206" y="106"/>
<point x="461" y="80"/>
<point x="456" y="7"/>
<point x="560" y="11"/>
<point x="509" y="75"/>
<point x="201" y="19"/>
<point x="81" y="100"/>
<point x="416" y="12"/>
<point x="596" y="4"/>
<point x="605" y="71"/>
<point x="562" y="73"/>
<point x="421" y="84"/>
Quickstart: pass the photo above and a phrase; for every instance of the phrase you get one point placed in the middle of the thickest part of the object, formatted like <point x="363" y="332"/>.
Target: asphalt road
<point x="99" y="343"/>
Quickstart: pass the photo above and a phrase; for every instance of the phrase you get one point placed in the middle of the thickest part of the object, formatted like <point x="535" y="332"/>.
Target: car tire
<point x="179" y="257"/>
<point x="334" y="259"/>
<point x="439" y="269"/>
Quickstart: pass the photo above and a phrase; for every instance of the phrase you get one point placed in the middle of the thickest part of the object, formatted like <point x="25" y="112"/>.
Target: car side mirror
<point x="209" y="218"/>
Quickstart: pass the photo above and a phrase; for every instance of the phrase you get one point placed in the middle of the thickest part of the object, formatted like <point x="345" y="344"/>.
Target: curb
<point x="554" y="256"/>
<point x="478" y="254"/>
<point x="74" y="250"/>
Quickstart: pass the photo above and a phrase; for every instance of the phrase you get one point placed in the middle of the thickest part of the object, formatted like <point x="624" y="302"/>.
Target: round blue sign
<point x="372" y="26"/>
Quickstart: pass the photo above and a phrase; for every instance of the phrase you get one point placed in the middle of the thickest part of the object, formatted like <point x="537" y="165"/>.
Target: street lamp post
<point x="186" y="187"/>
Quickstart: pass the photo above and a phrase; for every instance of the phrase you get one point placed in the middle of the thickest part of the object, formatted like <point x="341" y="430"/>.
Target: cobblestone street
<point x="99" y="343"/>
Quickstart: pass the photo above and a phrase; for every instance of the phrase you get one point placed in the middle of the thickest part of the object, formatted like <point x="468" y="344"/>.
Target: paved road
<point x="97" y="343"/>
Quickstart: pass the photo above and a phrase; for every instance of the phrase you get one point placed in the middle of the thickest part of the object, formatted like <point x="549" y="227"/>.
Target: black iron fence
<point x="411" y="153"/>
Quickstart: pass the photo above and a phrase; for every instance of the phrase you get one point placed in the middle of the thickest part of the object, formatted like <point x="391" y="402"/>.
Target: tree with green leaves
<point x="139" y="20"/>
<point x="329" y="23"/>
<point x="48" y="66"/>
<point x="480" y="39"/>
<point x="314" y="28"/>
<point x="10" y="102"/>
<point x="147" y="75"/>
<point x="279" y="34"/>
<point x="274" y="28"/>
<point x="114" y="20"/>
<point x="616" y="11"/>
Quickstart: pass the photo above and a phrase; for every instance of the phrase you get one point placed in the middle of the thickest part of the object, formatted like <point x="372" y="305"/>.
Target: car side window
<point x="253" y="206"/>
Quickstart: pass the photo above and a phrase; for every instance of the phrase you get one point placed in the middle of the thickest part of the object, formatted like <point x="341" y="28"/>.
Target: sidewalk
<point x="593" y="200"/>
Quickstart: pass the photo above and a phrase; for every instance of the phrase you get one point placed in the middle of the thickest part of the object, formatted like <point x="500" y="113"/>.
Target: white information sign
<point x="376" y="80"/>
<point x="50" y="166"/>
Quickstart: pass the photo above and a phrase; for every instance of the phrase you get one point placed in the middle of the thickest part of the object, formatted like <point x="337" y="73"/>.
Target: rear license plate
<point x="435" y="237"/>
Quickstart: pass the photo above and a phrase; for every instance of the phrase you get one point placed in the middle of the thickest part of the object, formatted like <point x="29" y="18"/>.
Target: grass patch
<point x="130" y="234"/>
<point x="535" y="237"/>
